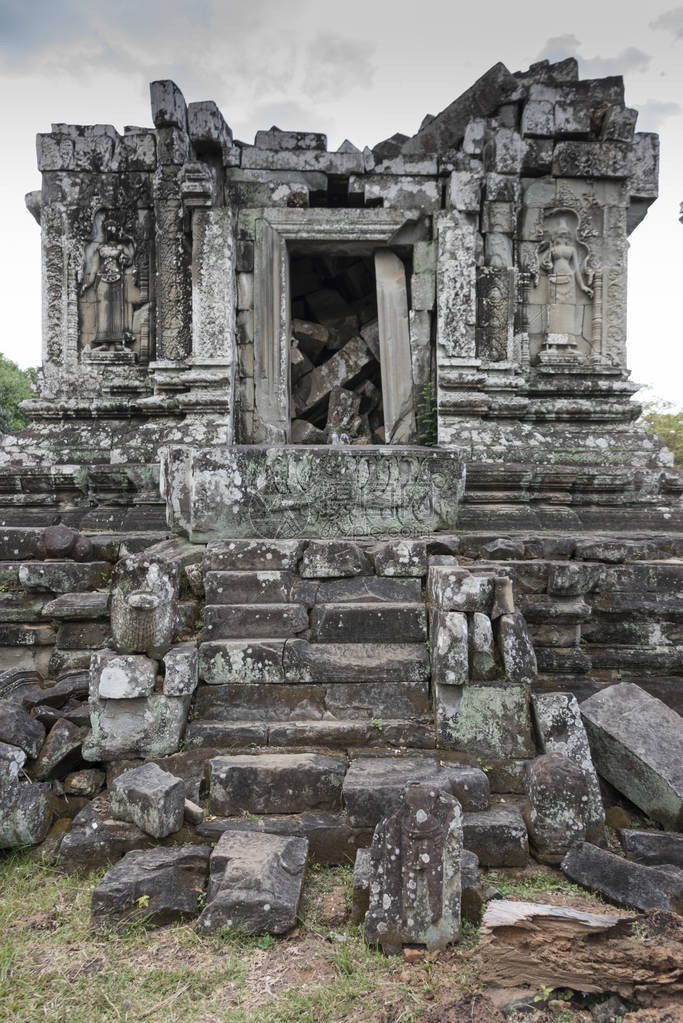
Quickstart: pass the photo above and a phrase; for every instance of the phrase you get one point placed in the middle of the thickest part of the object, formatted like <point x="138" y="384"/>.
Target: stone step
<point x="361" y="623"/>
<point x="63" y="576"/>
<point x="248" y="555"/>
<point x="331" y="838"/>
<point x="248" y="587"/>
<point x="338" y="734"/>
<point x="235" y="621"/>
<point x="275" y="783"/>
<point x="272" y="660"/>
<point x="256" y="701"/>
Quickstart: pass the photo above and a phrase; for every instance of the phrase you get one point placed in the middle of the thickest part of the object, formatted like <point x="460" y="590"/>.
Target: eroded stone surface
<point x="152" y="799"/>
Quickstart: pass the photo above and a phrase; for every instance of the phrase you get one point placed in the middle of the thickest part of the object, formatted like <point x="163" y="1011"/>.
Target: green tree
<point x="662" y="419"/>
<point x="15" y="385"/>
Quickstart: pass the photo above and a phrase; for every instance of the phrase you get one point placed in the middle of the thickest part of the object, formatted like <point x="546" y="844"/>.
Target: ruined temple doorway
<point x="349" y="324"/>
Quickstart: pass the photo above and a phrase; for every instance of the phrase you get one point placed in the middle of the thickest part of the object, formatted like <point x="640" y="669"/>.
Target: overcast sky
<point x="361" y="69"/>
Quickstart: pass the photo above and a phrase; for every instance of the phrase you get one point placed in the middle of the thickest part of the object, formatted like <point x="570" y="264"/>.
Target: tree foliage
<point x="15" y="385"/>
<point x="666" y="422"/>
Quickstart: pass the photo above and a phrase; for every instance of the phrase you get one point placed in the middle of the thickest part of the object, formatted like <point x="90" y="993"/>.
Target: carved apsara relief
<point x="114" y="300"/>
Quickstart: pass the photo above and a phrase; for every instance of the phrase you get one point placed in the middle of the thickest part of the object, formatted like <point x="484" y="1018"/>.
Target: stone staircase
<point x="318" y="645"/>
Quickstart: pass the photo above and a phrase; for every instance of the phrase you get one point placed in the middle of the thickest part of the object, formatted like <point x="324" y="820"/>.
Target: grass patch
<point x="539" y="882"/>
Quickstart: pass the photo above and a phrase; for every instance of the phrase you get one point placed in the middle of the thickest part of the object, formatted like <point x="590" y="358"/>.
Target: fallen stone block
<point x="152" y="886"/>
<point x="498" y="836"/>
<point x="147" y="728"/>
<point x="337" y="371"/>
<point x="558" y="800"/>
<point x="560" y="730"/>
<point x="149" y="797"/>
<point x="254" y="883"/>
<point x="84" y="783"/>
<point x="61" y="751"/>
<point x="18" y="728"/>
<point x="652" y="847"/>
<point x="97" y="839"/>
<point x="331" y="839"/>
<point x="624" y="882"/>
<point x="637" y="746"/>
<point x="25" y="810"/>
<point x="275" y="783"/>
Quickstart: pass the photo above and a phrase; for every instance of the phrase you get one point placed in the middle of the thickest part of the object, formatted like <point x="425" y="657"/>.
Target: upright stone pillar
<point x="394" y="348"/>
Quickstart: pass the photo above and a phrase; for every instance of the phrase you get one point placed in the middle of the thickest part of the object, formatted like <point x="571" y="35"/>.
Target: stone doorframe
<point x="272" y="308"/>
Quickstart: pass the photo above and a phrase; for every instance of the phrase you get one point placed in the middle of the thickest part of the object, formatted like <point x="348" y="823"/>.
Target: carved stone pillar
<point x="173" y="278"/>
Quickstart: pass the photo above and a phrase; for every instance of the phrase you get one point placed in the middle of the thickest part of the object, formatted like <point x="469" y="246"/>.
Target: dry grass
<point x="54" y="968"/>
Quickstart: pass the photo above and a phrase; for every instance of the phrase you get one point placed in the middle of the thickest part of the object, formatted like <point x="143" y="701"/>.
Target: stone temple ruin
<point x="333" y="515"/>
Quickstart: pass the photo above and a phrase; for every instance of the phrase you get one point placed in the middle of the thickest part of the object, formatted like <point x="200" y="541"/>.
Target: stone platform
<point x="317" y="491"/>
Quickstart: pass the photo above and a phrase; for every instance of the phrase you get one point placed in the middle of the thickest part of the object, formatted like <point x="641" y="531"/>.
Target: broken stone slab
<point x="454" y="589"/>
<point x="488" y="720"/>
<point x="449" y="649"/>
<point x="516" y="648"/>
<point x="333" y="559"/>
<point x="358" y="662"/>
<point x="373" y="786"/>
<point x="498" y="836"/>
<point x="560" y="730"/>
<point x="340" y="369"/>
<point x="400" y="558"/>
<point x="331" y="839"/>
<point x="61" y="751"/>
<point x="624" y="882"/>
<point x="236" y="621"/>
<point x="637" y="746"/>
<point x="253" y="555"/>
<point x="116" y="676"/>
<point x="254" y="883"/>
<point x="153" y="887"/>
<point x="97" y="839"/>
<point x="652" y="848"/>
<point x="415" y="857"/>
<point x="358" y="623"/>
<point x="77" y="607"/>
<point x="18" y="728"/>
<point x="275" y="783"/>
<point x="558" y="799"/>
<point x="180" y="675"/>
<point x="483" y="666"/>
<point x="152" y="799"/>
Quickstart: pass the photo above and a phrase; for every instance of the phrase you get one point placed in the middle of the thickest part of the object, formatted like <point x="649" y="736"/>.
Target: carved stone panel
<point x="495" y="313"/>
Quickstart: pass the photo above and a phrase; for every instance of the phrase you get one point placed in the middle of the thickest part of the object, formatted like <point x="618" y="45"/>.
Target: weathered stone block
<point x="144" y="604"/>
<point x="254" y="883"/>
<point x="400" y="558"/>
<point x="234" y="621"/>
<point x="61" y="751"/>
<point x="359" y="662"/>
<point x="152" y="886"/>
<point x="332" y="559"/>
<point x="624" y="882"/>
<point x="483" y="665"/>
<point x="96" y="839"/>
<point x="498" y="837"/>
<point x="150" y="798"/>
<point x="275" y="783"/>
<point x="121" y="676"/>
<point x="63" y="576"/>
<point x="241" y="661"/>
<point x="168" y="105"/>
<point x="454" y="589"/>
<point x="180" y="663"/>
<point x="637" y="746"/>
<point x="358" y="623"/>
<point x="248" y="587"/>
<point x="652" y="847"/>
<point x="560" y="730"/>
<point x="490" y="720"/>
<point x="558" y="800"/>
<point x="18" y="728"/>
<point x="331" y="839"/>
<point x="516" y="649"/>
<point x="253" y="555"/>
<point x="366" y="589"/>
<point x="25" y="810"/>
<point x="449" y="649"/>
<point x="144" y="727"/>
